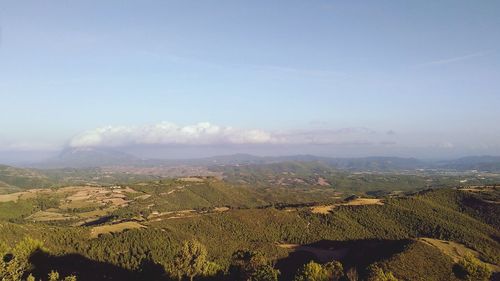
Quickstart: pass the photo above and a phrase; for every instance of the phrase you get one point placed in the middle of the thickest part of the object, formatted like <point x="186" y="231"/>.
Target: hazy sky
<point x="340" y="78"/>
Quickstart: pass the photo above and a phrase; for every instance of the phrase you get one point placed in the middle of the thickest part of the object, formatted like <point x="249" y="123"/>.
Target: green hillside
<point x="300" y="174"/>
<point x="253" y="223"/>
<point x="14" y="179"/>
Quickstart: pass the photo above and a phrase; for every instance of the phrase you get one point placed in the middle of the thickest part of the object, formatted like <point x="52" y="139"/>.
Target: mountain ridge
<point x="98" y="157"/>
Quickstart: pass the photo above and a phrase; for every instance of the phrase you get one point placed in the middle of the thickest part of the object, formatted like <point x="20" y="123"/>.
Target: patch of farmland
<point x="48" y="216"/>
<point x="325" y="209"/>
<point x="114" y="228"/>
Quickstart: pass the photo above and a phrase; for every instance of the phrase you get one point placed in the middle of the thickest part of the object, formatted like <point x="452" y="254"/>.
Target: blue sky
<point x="307" y="73"/>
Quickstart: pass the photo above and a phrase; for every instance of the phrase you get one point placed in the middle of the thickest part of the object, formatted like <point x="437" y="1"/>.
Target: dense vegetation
<point x="17" y="179"/>
<point x="299" y="174"/>
<point x="209" y="229"/>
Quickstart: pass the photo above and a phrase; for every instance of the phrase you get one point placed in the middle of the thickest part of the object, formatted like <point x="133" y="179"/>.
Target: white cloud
<point x="166" y="133"/>
<point x="205" y="133"/>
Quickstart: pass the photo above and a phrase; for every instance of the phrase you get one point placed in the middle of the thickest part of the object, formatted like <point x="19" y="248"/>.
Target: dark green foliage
<point x="172" y="195"/>
<point x="312" y="271"/>
<point x="482" y="206"/>
<point x="251" y="266"/>
<point x="442" y="214"/>
<point x="15" y="263"/>
<point x="265" y="273"/>
<point x="44" y="202"/>
<point x="191" y="261"/>
<point x="306" y="173"/>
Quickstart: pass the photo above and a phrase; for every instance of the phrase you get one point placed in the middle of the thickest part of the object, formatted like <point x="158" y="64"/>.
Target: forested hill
<point x="408" y="237"/>
<point x="14" y="179"/>
<point x="310" y="173"/>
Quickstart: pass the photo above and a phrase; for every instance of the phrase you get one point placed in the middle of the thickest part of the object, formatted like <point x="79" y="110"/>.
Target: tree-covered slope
<point x="440" y="214"/>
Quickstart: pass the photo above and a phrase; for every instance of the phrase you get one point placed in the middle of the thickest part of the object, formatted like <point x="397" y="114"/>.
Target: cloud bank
<point x="205" y="133"/>
<point x="167" y="133"/>
<point x="170" y="140"/>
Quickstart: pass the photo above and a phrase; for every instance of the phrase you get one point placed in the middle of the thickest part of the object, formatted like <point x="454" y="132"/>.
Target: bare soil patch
<point x="323" y="182"/>
<point x="221" y="209"/>
<point x="143" y="197"/>
<point x="191" y="179"/>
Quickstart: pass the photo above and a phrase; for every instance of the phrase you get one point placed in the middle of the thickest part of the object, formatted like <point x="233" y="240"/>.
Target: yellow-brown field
<point x="114" y="228"/>
<point x="325" y="209"/>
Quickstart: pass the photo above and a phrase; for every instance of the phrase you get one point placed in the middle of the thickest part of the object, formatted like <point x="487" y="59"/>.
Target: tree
<point x="190" y="261"/>
<point x="211" y="269"/>
<point x="251" y="266"/>
<point x="378" y="274"/>
<point x="334" y="270"/>
<point x="54" y="276"/>
<point x="313" y="271"/>
<point x="473" y="269"/>
<point x="15" y="262"/>
<point x="70" y="278"/>
<point x="4" y="251"/>
<point x="265" y="273"/>
<point x="244" y="263"/>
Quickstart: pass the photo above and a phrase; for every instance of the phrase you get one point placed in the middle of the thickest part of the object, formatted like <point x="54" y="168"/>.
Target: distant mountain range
<point x="94" y="157"/>
<point x="480" y="163"/>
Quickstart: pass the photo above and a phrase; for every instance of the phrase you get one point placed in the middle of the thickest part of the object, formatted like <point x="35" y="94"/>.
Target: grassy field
<point x="114" y="228"/>
<point x="325" y="209"/>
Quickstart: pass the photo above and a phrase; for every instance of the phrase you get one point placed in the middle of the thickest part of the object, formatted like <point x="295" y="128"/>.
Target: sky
<point x="193" y="78"/>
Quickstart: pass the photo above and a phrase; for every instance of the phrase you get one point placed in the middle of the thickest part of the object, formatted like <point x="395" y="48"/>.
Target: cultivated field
<point x="114" y="228"/>
<point x="325" y="209"/>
